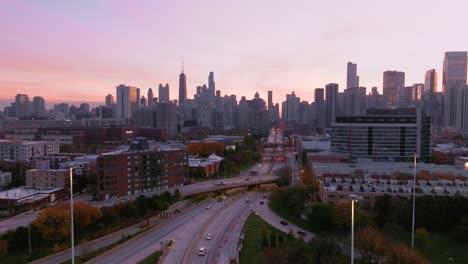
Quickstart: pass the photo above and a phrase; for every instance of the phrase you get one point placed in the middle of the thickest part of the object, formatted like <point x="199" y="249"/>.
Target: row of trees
<point x="374" y="246"/>
<point x="297" y="251"/>
<point x="50" y="231"/>
<point x="433" y="213"/>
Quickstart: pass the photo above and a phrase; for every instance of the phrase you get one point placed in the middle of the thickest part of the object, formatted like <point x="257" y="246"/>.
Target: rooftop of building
<point x="195" y="161"/>
<point x="30" y="192"/>
<point x="22" y="142"/>
<point x="49" y="170"/>
<point x="449" y="147"/>
<point x="152" y="147"/>
<point x="388" y="168"/>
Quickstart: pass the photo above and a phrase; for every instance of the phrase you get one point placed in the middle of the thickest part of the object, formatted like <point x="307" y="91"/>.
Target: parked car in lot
<point x="176" y="211"/>
<point x="302" y="233"/>
<point x="220" y="199"/>
<point x="262" y="202"/>
<point x="202" y="251"/>
<point x="284" y="222"/>
<point x="264" y="196"/>
<point x="208" y="237"/>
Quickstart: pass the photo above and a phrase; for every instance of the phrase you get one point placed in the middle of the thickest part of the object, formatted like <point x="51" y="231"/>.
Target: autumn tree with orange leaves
<point x="374" y="247"/>
<point x="54" y="222"/>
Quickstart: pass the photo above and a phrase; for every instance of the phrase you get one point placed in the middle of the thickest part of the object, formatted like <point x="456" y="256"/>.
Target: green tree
<point x="321" y="216"/>
<point x="284" y="176"/>
<point x="272" y="239"/>
<point x="177" y="194"/>
<point x="3" y="247"/>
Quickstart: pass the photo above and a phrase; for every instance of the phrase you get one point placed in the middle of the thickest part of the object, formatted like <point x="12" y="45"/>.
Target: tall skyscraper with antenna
<point x="182" y="86"/>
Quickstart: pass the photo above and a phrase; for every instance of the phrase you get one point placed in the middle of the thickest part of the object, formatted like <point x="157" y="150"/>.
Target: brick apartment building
<point x="127" y="172"/>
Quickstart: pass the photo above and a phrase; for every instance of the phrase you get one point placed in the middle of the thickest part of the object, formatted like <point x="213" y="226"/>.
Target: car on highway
<point x="202" y="251"/>
<point x="264" y="196"/>
<point x="247" y="200"/>
<point x="208" y="237"/>
<point x="302" y="232"/>
<point x="142" y="225"/>
<point x="247" y="179"/>
<point x="176" y="211"/>
<point x="284" y="222"/>
<point x="193" y="203"/>
<point x="262" y="201"/>
<point x="208" y="207"/>
<point x="220" y="199"/>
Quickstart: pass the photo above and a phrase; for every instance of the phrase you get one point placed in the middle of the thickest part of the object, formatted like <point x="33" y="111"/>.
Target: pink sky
<point x="81" y="50"/>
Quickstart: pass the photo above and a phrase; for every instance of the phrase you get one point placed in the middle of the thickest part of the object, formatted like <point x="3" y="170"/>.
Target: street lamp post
<point x="414" y="200"/>
<point x="354" y="198"/>
<point x="71" y="217"/>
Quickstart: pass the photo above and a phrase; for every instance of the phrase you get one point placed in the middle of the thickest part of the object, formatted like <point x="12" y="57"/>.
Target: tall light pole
<point x="71" y="217"/>
<point x="354" y="198"/>
<point x="414" y="200"/>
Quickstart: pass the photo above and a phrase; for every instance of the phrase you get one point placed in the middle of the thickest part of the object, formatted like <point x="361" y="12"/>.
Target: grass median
<point x="255" y="230"/>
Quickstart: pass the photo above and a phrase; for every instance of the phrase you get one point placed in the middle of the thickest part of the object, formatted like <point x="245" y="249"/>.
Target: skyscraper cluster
<point x="210" y="111"/>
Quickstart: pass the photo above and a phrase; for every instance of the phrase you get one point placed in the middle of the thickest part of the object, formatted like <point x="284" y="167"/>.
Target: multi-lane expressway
<point x="222" y="220"/>
<point x="187" y="230"/>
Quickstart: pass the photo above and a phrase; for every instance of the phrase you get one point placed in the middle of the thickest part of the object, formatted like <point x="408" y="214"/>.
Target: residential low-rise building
<point x="373" y="179"/>
<point x="30" y="197"/>
<point x="210" y="165"/>
<point x="26" y="150"/>
<point x="48" y="178"/>
<point x="447" y="153"/>
<point x="334" y="190"/>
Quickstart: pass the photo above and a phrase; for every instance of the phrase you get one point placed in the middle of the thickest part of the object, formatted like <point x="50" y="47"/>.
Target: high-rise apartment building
<point x="319" y="98"/>
<point x="61" y="110"/>
<point x="393" y="84"/>
<point x="38" y="106"/>
<point x="150" y="97"/>
<point x="430" y="81"/>
<point x="354" y="101"/>
<point x="243" y="115"/>
<point x="290" y="108"/>
<point x="110" y="100"/>
<point x="22" y="105"/>
<point x="182" y="87"/>
<point x="163" y="93"/>
<point x="128" y="100"/>
<point x="331" y="103"/>
<point x="271" y="107"/>
<point x="351" y="75"/>
<point x="453" y="84"/>
<point x="167" y="117"/>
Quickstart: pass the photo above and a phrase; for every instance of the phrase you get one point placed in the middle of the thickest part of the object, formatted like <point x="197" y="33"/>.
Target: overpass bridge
<point x="215" y="186"/>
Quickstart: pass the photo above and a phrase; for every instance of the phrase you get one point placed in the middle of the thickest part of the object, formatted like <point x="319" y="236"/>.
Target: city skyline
<point x="84" y="50"/>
